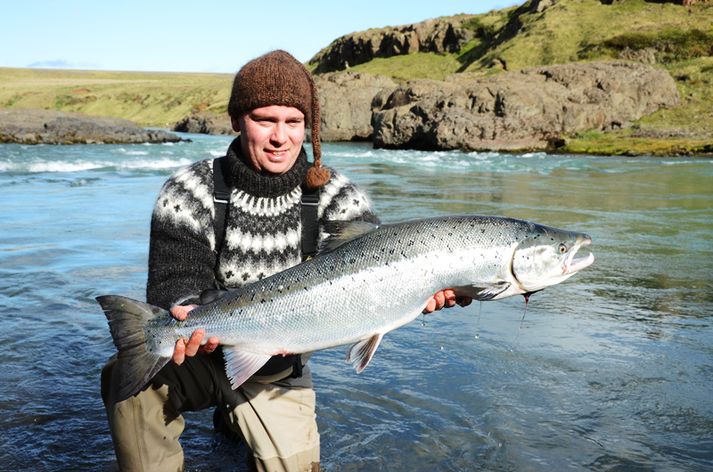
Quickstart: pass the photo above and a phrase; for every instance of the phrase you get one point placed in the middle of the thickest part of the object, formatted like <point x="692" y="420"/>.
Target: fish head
<point x="547" y="256"/>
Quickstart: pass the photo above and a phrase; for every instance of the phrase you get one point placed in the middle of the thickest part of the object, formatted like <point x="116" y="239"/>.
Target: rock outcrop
<point x="53" y="127"/>
<point x="527" y="110"/>
<point x="205" y="123"/>
<point x="440" y="35"/>
<point x="348" y="101"/>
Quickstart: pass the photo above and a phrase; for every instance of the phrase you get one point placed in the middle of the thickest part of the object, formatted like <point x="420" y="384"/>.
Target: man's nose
<point x="279" y="133"/>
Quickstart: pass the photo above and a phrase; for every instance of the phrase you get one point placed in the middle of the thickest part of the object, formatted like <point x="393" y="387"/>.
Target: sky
<point x="192" y="36"/>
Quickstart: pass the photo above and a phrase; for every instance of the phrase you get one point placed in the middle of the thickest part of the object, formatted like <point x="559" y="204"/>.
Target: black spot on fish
<point x="165" y="202"/>
<point x="352" y="261"/>
<point x="356" y="202"/>
<point x="229" y="274"/>
<point x="260" y="276"/>
<point x="245" y="276"/>
<point x="177" y="208"/>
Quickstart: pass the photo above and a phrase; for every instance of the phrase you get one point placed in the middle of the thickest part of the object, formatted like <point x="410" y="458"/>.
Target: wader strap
<point x="310" y="227"/>
<point x="221" y="199"/>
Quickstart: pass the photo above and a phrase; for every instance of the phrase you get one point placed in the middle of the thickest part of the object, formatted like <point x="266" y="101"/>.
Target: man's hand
<point x="445" y="298"/>
<point x="192" y="346"/>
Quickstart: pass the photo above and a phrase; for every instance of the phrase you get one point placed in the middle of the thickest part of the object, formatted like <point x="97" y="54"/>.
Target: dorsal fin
<point x="340" y="232"/>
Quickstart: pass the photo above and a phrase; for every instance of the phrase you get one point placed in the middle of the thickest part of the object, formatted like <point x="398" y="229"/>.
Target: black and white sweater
<point x="263" y="230"/>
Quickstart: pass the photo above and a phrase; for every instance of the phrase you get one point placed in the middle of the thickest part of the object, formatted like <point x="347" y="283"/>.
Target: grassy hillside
<point x="150" y="99"/>
<point x="667" y="35"/>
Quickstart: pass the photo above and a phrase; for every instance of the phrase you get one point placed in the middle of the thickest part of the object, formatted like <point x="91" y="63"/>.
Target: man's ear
<point x="236" y="124"/>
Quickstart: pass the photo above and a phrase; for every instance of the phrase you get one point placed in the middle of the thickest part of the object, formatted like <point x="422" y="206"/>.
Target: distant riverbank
<point x="54" y="127"/>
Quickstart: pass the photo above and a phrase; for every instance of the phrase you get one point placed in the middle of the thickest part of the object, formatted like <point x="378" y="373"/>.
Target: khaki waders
<point x="277" y="421"/>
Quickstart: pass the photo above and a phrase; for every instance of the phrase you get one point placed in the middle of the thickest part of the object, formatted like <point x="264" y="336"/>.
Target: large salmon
<point x="367" y="281"/>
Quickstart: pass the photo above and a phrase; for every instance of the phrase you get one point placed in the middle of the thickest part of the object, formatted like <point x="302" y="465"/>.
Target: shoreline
<point x="34" y="127"/>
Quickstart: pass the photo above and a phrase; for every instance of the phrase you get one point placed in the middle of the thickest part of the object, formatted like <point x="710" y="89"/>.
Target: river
<point x="611" y="370"/>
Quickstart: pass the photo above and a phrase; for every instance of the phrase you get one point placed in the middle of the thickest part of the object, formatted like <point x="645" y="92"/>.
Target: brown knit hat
<point x="277" y="78"/>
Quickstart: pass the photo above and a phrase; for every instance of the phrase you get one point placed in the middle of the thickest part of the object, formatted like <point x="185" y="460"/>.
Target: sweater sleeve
<point x="342" y="200"/>
<point x="181" y="247"/>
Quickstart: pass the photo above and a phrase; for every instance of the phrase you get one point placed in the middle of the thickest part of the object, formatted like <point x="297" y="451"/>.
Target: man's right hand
<point x="189" y="348"/>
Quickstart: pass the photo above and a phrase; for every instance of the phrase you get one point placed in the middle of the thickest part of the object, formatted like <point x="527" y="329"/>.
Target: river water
<point x="611" y="370"/>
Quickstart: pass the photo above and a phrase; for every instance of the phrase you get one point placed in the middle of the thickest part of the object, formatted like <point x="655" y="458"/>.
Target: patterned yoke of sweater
<point x="263" y="230"/>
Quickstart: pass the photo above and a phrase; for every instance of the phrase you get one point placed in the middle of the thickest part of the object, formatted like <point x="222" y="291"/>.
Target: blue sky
<point x="207" y="36"/>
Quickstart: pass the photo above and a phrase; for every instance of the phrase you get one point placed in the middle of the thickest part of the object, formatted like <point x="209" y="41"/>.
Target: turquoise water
<point x="611" y="370"/>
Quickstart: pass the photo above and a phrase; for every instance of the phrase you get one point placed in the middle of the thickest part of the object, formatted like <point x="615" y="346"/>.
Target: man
<point x="272" y="100"/>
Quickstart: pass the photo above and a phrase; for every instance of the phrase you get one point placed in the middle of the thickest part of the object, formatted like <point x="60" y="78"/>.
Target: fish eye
<point x="562" y="248"/>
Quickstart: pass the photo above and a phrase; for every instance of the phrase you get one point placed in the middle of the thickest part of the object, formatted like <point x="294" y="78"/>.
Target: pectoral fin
<point x="341" y="232"/>
<point x="241" y="365"/>
<point x="482" y="292"/>
<point x="361" y="353"/>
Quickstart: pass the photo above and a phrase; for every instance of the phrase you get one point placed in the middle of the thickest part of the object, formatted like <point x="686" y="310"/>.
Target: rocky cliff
<point x="522" y="110"/>
<point x="440" y="35"/>
<point x="348" y="101"/>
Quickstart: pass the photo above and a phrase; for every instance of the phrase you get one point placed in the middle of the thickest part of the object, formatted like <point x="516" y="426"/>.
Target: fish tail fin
<point x="136" y="365"/>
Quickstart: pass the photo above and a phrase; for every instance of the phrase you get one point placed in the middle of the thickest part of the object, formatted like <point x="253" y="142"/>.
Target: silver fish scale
<point x="369" y="285"/>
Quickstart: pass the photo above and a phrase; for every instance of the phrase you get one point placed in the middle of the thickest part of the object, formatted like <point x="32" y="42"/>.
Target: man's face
<point x="271" y="137"/>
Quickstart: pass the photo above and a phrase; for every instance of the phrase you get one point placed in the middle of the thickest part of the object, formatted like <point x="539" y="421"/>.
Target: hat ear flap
<point x="317" y="176"/>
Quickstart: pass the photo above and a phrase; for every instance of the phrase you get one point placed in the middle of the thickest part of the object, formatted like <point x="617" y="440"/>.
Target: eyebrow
<point x="260" y="116"/>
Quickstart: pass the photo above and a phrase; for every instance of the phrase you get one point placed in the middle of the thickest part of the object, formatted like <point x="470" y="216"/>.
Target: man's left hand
<point x="194" y="345"/>
<point x="445" y="298"/>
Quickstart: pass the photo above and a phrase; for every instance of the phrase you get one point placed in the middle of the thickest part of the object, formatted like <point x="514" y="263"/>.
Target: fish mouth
<point x="572" y="265"/>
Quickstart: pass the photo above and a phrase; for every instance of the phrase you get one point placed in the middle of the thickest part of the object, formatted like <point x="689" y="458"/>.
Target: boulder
<point x="525" y="110"/>
<point x="53" y="127"/>
<point x="205" y="123"/>
<point x="347" y="101"/>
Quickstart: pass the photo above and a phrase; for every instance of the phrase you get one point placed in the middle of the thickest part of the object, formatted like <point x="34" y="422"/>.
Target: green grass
<point x="620" y="143"/>
<point x="150" y="99"/>
<point x="424" y="65"/>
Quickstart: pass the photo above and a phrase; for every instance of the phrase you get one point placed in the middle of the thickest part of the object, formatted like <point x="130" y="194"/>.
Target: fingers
<point x="210" y="346"/>
<point x="179" y="351"/>
<point x="194" y="342"/>
<point x="188" y="348"/>
<point x="430" y="306"/>
<point x="449" y="298"/>
<point x="436" y="302"/>
<point x="180" y="312"/>
<point x="445" y="298"/>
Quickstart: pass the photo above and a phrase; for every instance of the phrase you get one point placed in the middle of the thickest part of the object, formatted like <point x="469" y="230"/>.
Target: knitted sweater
<point x="263" y="227"/>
